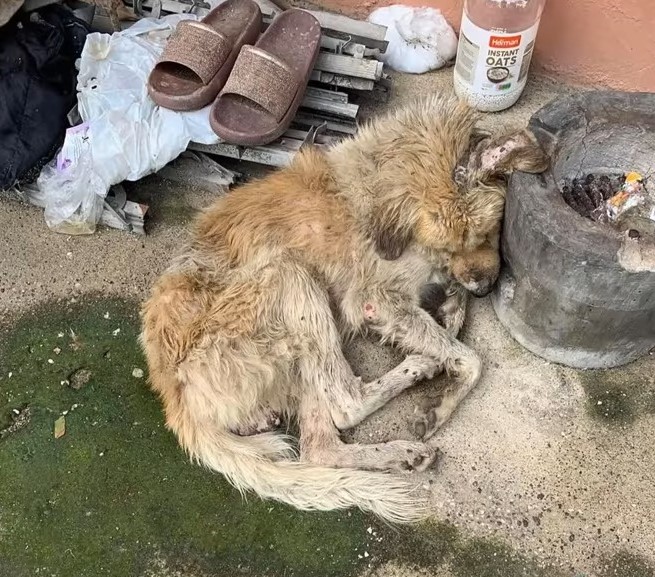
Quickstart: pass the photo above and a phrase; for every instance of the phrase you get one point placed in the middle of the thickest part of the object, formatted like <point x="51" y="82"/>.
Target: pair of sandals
<point x="256" y="82"/>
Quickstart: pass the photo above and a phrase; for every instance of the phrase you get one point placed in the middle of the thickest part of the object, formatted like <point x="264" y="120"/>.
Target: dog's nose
<point x="482" y="288"/>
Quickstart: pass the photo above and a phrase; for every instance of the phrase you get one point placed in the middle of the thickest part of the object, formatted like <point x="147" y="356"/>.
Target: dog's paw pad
<point x="422" y="460"/>
<point x="426" y="425"/>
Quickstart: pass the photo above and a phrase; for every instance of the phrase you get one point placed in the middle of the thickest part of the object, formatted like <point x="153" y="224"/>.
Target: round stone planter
<point x="573" y="291"/>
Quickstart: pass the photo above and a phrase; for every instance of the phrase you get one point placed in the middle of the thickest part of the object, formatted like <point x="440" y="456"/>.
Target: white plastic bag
<point x="74" y="192"/>
<point x="420" y="39"/>
<point x="125" y="135"/>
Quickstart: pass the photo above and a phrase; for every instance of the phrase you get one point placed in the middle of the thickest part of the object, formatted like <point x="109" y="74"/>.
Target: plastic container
<point x="495" y="47"/>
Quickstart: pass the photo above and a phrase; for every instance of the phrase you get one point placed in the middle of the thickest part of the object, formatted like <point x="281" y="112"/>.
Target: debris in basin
<point x="621" y="200"/>
<point x="586" y="194"/>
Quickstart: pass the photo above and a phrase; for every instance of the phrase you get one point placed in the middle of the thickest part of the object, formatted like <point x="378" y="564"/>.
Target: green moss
<point x="429" y="544"/>
<point x="115" y="494"/>
<point x="620" y="395"/>
<point x="116" y="491"/>
<point x="626" y="564"/>
<point x="487" y="558"/>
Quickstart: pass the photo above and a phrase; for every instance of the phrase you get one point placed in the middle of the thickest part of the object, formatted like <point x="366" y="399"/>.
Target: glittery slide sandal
<point x="268" y="81"/>
<point x="199" y="56"/>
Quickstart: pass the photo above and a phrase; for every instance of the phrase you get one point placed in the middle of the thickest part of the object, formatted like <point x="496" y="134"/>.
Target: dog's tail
<point x="261" y="463"/>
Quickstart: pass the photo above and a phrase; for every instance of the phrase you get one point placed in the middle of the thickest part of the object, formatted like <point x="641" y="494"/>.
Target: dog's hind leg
<point x="320" y="442"/>
<point x="350" y="405"/>
<point x="330" y="395"/>
<point x="414" y="330"/>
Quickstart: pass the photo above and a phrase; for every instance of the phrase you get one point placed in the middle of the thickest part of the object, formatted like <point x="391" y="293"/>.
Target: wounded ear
<point x="516" y="151"/>
<point x="389" y="237"/>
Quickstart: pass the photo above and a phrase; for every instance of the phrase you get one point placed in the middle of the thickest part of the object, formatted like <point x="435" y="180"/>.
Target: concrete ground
<point x="546" y="470"/>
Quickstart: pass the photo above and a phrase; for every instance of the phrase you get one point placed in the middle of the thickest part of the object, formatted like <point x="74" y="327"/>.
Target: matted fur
<point x="246" y="327"/>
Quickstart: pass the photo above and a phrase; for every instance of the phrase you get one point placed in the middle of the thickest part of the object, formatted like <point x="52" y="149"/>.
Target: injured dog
<point x="247" y="326"/>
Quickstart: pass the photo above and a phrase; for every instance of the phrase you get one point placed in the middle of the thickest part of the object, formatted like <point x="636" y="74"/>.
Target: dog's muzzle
<point x="480" y="288"/>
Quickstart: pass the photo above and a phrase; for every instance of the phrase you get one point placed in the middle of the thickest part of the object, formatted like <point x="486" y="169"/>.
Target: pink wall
<point x="603" y="43"/>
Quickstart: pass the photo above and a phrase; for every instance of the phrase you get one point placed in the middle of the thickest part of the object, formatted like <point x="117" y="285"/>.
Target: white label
<point x="492" y="61"/>
<point x="76" y="140"/>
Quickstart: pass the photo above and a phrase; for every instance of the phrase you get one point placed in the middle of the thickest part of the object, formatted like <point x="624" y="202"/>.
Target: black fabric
<point x="37" y="88"/>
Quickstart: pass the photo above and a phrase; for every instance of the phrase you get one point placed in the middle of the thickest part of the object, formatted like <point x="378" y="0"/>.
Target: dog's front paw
<point x="420" y="457"/>
<point x="444" y="305"/>
<point x="422" y="367"/>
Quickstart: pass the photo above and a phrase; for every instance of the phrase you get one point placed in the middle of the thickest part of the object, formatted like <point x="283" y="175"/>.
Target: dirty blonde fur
<point x="247" y="326"/>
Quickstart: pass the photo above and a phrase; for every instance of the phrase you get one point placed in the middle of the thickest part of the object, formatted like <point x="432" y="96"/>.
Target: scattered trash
<point x="79" y="378"/>
<point x="60" y="427"/>
<point x="20" y="419"/>
<point x="121" y="213"/>
<point x="116" y="332"/>
<point x="56" y="350"/>
<point x="420" y="39"/>
<point x="126" y="141"/>
<point x="137" y="373"/>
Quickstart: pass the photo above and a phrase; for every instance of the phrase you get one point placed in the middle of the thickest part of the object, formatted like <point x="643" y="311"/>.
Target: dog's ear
<point x="389" y="234"/>
<point x="515" y="151"/>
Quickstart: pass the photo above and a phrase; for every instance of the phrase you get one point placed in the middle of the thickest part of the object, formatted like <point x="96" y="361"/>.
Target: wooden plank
<point x="337" y="27"/>
<point x="268" y="8"/>
<point x="342" y="81"/>
<point x="346" y="25"/>
<point x="324" y="139"/>
<point x="348" y="66"/>
<point x="330" y="107"/>
<point x="333" y="95"/>
<point x="174" y="7"/>
<point x="275" y="154"/>
<point x="340" y="46"/>
<point x="334" y="125"/>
